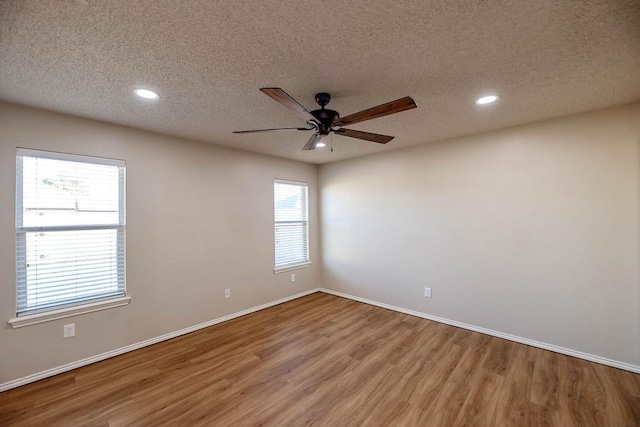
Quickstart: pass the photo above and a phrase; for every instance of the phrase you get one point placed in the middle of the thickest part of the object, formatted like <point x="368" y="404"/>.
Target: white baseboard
<point x="515" y="338"/>
<point x="74" y="365"/>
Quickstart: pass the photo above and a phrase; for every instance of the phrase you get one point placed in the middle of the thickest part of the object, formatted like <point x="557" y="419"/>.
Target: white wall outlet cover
<point x="69" y="330"/>
<point x="427" y="292"/>
<point x="227" y="293"/>
<point x="293" y="277"/>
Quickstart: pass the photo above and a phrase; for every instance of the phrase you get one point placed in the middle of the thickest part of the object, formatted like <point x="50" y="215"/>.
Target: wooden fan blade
<point x="311" y="143"/>
<point x="373" y="137"/>
<point x="392" y="107"/>
<point x="283" y="98"/>
<point x="269" y="130"/>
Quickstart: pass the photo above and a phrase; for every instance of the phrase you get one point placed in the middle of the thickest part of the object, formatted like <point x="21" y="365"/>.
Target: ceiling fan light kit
<point x="325" y="121"/>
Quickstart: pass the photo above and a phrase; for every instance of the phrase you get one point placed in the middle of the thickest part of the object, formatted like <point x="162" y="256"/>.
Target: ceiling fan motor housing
<point x="325" y="118"/>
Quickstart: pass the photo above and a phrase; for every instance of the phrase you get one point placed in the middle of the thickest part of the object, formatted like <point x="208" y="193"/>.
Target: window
<point x="291" y="224"/>
<point x="70" y="230"/>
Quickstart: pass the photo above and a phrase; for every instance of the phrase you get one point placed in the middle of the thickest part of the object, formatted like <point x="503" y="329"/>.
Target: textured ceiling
<point x="207" y="59"/>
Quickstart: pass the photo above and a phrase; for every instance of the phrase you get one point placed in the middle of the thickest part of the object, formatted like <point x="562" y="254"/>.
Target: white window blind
<point x="291" y="223"/>
<point x="70" y="230"/>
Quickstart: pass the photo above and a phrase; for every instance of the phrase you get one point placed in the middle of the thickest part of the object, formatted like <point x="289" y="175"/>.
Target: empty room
<point x="365" y="213"/>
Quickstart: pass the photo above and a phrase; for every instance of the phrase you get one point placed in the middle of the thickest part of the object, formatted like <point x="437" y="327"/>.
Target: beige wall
<point x="199" y="220"/>
<point x="531" y="231"/>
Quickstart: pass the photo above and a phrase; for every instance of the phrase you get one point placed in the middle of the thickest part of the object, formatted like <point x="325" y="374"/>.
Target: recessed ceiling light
<point x="487" y="99"/>
<point x="146" y="93"/>
<point x="320" y="144"/>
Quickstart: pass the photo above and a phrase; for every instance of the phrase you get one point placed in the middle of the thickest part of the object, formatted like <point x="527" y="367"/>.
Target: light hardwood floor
<point x="324" y="360"/>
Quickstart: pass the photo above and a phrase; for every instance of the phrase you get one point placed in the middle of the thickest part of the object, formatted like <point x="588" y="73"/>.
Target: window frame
<point x="71" y="307"/>
<point x="298" y="264"/>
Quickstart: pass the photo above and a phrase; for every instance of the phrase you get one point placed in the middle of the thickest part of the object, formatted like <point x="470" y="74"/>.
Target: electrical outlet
<point x="69" y="331"/>
<point x="427" y="292"/>
<point x="293" y="277"/>
<point x="227" y="293"/>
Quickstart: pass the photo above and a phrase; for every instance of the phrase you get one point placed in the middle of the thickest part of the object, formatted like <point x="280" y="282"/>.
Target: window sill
<point x="291" y="267"/>
<point x="33" y="319"/>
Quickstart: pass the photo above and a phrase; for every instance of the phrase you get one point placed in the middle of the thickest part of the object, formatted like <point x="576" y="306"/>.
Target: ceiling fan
<point x="324" y="121"/>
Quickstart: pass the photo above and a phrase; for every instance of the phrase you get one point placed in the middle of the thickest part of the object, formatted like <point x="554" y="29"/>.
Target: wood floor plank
<point x="328" y="361"/>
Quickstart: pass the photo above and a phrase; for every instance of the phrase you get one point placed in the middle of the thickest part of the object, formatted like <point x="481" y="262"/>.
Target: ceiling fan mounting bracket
<point x="323" y="98"/>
